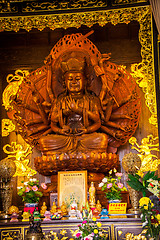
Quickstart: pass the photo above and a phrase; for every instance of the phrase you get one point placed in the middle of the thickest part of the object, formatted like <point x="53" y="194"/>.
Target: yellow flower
<point x="110" y="172"/>
<point x="140" y="173"/>
<point x="158" y="217"/>
<point x="145" y="207"/>
<point x="94" y="219"/>
<point x="95" y="231"/>
<point x="156" y="225"/>
<point x="144" y="201"/>
<point x="152" y="217"/>
<point x="99" y="224"/>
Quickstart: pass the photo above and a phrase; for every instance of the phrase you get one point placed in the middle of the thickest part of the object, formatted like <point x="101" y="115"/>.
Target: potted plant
<point x="29" y="191"/>
<point x="148" y="184"/>
<point x="112" y="186"/>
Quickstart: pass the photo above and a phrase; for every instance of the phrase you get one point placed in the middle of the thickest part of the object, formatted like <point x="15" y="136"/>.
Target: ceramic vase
<point x="30" y="207"/>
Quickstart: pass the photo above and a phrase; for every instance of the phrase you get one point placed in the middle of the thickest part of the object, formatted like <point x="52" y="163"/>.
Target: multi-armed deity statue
<point x="77" y="109"/>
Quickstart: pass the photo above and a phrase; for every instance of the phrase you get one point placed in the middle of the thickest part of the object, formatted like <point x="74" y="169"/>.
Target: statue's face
<point x="74" y="81"/>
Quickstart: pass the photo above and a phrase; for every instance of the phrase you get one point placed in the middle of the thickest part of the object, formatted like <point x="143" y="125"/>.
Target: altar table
<point x="117" y="228"/>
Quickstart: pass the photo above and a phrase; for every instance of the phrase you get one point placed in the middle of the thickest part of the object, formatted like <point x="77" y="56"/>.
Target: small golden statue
<point x="53" y="208"/>
<point x="64" y="211"/>
<point x="99" y="206"/>
<point x="26" y="216"/>
<point x="92" y="200"/>
<point x="43" y="209"/>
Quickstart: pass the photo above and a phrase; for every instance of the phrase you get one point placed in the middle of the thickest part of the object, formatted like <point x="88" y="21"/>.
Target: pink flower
<point x="27" y="189"/>
<point x="35" y="188"/>
<point x="43" y="185"/>
<point x="109" y="185"/>
<point x="78" y="234"/>
<point x="84" y="222"/>
<point x="89" y="237"/>
<point x="120" y="185"/>
<point x="118" y="174"/>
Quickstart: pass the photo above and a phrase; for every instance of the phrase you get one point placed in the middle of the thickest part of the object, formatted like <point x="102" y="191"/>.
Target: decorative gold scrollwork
<point x="13" y="86"/>
<point x="132" y="236"/>
<point x="19" y="155"/>
<point x="143" y="72"/>
<point x="147" y="151"/>
<point x="7" y="127"/>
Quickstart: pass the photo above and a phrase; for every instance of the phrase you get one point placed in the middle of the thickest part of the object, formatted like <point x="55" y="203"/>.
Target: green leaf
<point x="148" y="175"/>
<point x="136" y="185"/>
<point x="133" y="177"/>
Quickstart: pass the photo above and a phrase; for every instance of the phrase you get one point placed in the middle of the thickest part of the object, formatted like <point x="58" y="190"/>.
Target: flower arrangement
<point x="90" y="230"/>
<point x="30" y="191"/>
<point x="112" y="185"/>
<point x="144" y="183"/>
<point x="148" y="184"/>
<point x="150" y="218"/>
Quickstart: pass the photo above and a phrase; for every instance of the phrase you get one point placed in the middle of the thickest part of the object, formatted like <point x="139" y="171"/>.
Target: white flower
<point x="104" y="180"/>
<point x="101" y="184"/>
<point x="33" y="180"/>
<point x="19" y="187"/>
<point x="154" y="182"/>
<point x="88" y="237"/>
<point x="144" y="223"/>
<point x="25" y="183"/>
<point x="154" y="190"/>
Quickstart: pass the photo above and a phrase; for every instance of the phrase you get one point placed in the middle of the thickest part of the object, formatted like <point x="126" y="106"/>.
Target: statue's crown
<point x="73" y="64"/>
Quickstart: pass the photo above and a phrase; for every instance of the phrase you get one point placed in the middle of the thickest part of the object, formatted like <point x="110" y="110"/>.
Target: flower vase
<point x="30" y="207"/>
<point x="114" y="201"/>
<point x="7" y="192"/>
<point x="134" y="197"/>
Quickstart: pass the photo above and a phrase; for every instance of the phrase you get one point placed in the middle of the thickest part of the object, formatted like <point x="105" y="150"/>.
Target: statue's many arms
<point x="77" y="109"/>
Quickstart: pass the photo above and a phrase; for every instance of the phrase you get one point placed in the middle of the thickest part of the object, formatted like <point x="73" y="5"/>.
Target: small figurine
<point x="14" y="217"/>
<point x="98" y="206"/>
<point x="96" y="213"/>
<point x="92" y="200"/>
<point x="73" y="211"/>
<point x="64" y="211"/>
<point x="47" y="216"/>
<point x="26" y="216"/>
<point x="36" y="215"/>
<point x="53" y="208"/>
<point x="104" y="214"/>
<point x="43" y="209"/>
<point x="13" y="209"/>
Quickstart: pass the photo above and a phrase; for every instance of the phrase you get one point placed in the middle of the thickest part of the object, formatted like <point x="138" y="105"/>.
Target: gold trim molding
<point x="66" y="20"/>
<point x="143" y="72"/>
